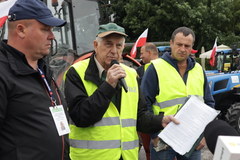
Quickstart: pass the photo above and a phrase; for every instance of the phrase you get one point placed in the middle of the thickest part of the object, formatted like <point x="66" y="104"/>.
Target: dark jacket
<point x="140" y="72"/>
<point x="86" y="110"/>
<point x="27" y="129"/>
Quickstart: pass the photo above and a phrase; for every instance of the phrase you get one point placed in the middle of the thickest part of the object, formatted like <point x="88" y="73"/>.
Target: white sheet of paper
<point x="193" y="116"/>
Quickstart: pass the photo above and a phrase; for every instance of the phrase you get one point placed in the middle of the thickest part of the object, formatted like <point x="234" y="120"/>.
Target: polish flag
<point x="139" y="43"/>
<point x="213" y="54"/>
<point x="4" y="9"/>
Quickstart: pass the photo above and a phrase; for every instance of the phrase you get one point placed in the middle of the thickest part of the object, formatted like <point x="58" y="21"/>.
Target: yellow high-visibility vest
<point x="146" y="66"/>
<point x="115" y="134"/>
<point x="173" y="91"/>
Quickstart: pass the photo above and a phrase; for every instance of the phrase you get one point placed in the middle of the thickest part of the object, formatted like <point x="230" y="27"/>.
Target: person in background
<point x="149" y="52"/>
<point x="220" y="58"/>
<point x="167" y="84"/>
<point x="236" y="64"/>
<point x="105" y="117"/>
<point x="27" y="89"/>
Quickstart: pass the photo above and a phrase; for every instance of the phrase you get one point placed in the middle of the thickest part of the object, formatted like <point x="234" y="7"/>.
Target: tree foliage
<point x="208" y="18"/>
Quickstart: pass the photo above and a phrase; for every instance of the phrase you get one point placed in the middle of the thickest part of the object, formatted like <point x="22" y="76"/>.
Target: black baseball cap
<point x="34" y="9"/>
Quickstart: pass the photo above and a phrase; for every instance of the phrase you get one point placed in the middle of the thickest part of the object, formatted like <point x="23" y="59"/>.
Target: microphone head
<point x="215" y="129"/>
<point x="114" y="62"/>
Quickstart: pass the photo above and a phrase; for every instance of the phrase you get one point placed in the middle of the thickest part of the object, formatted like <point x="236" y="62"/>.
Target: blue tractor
<point x="163" y="49"/>
<point x="225" y="88"/>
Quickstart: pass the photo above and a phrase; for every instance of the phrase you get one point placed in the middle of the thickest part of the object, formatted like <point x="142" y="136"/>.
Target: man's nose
<point x="51" y="36"/>
<point x="183" y="48"/>
<point x="114" y="49"/>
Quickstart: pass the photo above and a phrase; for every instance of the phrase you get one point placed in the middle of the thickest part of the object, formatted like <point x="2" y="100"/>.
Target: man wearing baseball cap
<point x="105" y="117"/>
<point x="29" y="97"/>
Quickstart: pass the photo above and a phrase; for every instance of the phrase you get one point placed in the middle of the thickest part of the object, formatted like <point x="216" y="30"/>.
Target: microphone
<point x="121" y="80"/>
<point x="215" y="129"/>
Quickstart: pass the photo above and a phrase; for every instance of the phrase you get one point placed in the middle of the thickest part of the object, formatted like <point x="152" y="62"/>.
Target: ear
<point x="149" y="53"/>
<point x="20" y="29"/>
<point x="171" y="42"/>
<point x="95" y="44"/>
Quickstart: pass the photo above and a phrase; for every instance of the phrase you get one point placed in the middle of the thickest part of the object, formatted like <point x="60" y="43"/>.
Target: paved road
<point x="206" y="154"/>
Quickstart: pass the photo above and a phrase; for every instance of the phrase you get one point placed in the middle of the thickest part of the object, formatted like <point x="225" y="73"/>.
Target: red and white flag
<point x="4" y="9"/>
<point x="139" y="43"/>
<point x="213" y="54"/>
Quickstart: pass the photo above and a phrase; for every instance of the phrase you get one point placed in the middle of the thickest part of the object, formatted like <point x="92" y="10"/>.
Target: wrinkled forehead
<point x="142" y="49"/>
<point x="180" y="37"/>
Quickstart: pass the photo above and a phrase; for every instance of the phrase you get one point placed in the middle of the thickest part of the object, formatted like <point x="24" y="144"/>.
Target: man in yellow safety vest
<point x="105" y="117"/>
<point x="169" y="81"/>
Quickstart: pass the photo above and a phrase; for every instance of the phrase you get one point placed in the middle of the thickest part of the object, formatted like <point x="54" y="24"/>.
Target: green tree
<point x="208" y="18"/>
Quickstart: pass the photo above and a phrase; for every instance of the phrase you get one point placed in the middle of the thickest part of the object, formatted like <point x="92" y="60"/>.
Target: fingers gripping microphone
<point x="121" y="80"/>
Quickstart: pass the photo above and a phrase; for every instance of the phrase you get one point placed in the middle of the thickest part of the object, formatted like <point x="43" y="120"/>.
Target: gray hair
<point x="99" y="39"/>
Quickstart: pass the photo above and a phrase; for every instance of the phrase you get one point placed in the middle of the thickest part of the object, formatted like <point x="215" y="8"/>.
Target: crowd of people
<point x="97" y="119"/>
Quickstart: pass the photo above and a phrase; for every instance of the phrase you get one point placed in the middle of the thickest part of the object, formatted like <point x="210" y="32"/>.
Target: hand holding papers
<point x="168" y="119"/>
<point x="193" y="116"/>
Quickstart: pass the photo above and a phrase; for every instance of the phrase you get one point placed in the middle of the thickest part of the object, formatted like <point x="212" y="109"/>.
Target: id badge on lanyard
<point x="60" y="119"/>
<point x="57" y="111"/>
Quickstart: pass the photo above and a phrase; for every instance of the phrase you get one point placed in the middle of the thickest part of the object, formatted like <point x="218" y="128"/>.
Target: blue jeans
<point x="170" y="154"/>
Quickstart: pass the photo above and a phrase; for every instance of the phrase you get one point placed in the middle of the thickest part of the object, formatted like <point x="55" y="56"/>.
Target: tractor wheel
<point x="233" y="116"/>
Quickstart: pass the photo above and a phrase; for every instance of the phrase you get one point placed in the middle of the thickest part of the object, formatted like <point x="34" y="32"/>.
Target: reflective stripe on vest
<point x="108" y="121"/>
<point x="109" y="144"/>
<point x="173" y="90"/>
<point x="174" y="102"/>
<point x="171" y="102"/>
<point x="114" y="135"/>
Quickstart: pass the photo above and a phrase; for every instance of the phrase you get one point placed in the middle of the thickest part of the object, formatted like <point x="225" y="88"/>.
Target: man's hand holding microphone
<point x="116" y="74"/>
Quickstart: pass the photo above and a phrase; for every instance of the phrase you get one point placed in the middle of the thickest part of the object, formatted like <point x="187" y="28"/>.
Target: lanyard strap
<point x="48" y="87"/>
